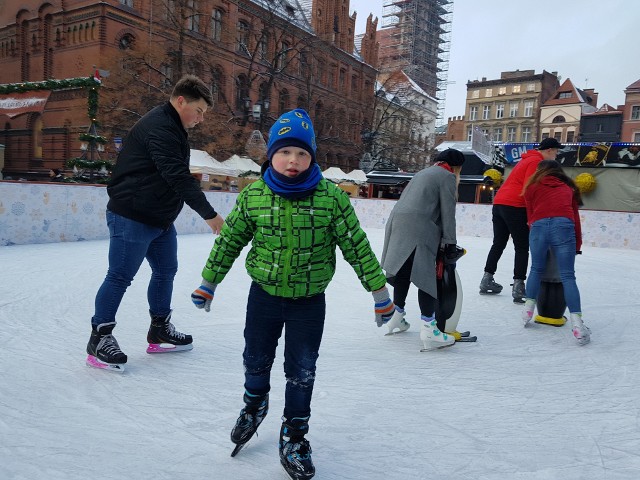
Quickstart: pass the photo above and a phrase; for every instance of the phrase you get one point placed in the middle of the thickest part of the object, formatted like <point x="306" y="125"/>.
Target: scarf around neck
<point x="293" y="187"/>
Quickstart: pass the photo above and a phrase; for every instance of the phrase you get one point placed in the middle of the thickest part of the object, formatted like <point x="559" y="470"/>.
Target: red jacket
<point x="551" y="197"/>
<point x="510" y="193"/>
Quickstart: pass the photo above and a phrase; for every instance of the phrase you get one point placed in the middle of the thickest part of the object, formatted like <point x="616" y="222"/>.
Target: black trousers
<point x="401" y="283"/>
<point x="509" y="221"/>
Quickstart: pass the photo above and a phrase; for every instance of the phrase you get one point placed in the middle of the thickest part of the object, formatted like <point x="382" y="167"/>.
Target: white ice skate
<point x="432" y="338"/>
<point x="580" y="331"/>
<point x="397" y="322"/>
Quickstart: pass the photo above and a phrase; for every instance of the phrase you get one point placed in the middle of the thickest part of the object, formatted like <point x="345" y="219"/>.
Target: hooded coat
<point x="422" y="219"/>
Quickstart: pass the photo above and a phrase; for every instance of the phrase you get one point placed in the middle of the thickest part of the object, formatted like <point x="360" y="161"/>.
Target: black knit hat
<point x="548" y="143"/>
<point x="453" y="157"/>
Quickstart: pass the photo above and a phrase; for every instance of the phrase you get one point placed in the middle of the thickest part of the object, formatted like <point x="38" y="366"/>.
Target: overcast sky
<point x="595" y="43"/>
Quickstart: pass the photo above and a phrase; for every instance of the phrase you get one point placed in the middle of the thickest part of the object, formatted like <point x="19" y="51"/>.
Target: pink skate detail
<point x="113" y="367"/>
<point x="167" y="348"/>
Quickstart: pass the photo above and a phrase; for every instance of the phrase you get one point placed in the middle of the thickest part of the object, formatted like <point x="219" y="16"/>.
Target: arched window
<point x="216" y="24"/>
<point x="558" y="119"/>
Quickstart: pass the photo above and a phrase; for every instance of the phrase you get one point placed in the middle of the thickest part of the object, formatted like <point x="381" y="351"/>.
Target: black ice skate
<point x="518" y="291"/>
<point x="163" y="336"/>
<point x="103" y="349"/>
<point x="295" y="451"/>
<point x="250" y="418"/>
<point x="488" y="285"/>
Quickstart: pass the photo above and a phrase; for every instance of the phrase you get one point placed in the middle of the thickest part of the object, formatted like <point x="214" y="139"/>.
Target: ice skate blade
<point x="237" y="448"/>
<point x="296" y="477"/>
<point x="111" y="367"/>
<point x="490" y="292"/>
<point x="395" y="332"/>
<point x="168" y="348"/>
<point x="435" y="346"/>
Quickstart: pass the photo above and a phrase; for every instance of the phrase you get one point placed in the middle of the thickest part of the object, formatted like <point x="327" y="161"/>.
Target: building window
<point x="127" y="3"/>
<point x="635" y="112"/>
<point x="473" y="113"/>
<point x="570" y="136"/>
<point x="475" y="94"/>
<point x="243" y="37"/>
<point x="515" y="89"/>
<point x="531" y="87"/>
<point x="513" y="110"/>
<point x="544" y="135"/>
<point x="486" y="112"/>
<point x="283" y="101"/>
<point x="502" y="91"/>
<point x="511" y="134"/>
<point x="500" y="110"/>
<point x="558" y="135"/>
<point x="526" y="134"/>
<point x="558" y="119"/>
<point x="341" y="78"/>
<point x="125" y="42"/>
<point x="497" y="134"/>
<point x="263" y="46"/>
<point x="192" y="19"/>
<point x="528" y="108"/>
<point x="282" y="56"/>
<point x="242" y="91"/>
<point x="488" y="92"/>
<point x="565" y="95"/>
<point x="469" y="134"/>
<point x="636" y="137"/>
<point x="216" y="24"/>
<point x="217" y="78"/>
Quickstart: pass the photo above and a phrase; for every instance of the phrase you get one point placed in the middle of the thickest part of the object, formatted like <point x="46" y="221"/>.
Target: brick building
<point x="260" y="57"/>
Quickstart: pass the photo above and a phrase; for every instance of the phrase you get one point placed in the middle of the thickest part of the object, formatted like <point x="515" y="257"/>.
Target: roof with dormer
<point x="568" y="94"/>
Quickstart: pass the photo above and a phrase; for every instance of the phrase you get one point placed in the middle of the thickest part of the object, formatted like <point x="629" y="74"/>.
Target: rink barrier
<point x="48" y="212"/>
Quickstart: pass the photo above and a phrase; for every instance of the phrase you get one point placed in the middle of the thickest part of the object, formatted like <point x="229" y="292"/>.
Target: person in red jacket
<point x="510" y="219"/>
<point x="552" y="200"/>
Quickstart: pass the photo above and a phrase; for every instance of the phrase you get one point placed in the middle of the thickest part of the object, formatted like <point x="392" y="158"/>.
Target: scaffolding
<point x="415" y="37"/>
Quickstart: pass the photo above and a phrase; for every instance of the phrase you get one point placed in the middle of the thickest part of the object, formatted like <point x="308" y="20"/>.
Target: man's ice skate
<point x="251" y="416"/>
<point x="163" y="336"/>
<point x="295" y="451"/>
<point x="397" y="322"/>
<point x="580" y="331"/>
<point x="518" y="291"/>
<point x="432" y="338"/>
<point x="488" y="285"/>
<point x="103" y="349"/>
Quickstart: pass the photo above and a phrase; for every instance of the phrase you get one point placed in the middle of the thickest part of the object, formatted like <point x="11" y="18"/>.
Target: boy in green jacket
<point x="294" y="219"/>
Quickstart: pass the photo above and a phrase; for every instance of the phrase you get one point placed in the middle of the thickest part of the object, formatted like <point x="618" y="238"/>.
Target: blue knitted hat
<point x="292" y="129"/>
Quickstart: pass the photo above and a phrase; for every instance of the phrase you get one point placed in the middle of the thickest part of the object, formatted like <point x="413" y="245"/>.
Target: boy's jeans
<point x="303" y="320"/>
<point x="130" y="243"/>
<point x="557" y="233"/>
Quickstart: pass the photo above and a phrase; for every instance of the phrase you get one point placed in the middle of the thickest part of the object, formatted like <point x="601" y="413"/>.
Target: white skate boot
<point x="432" y="338"/>
<point x="579" y="329"/>
<point x="527" y="311"/>
<point x="398" y="322"/>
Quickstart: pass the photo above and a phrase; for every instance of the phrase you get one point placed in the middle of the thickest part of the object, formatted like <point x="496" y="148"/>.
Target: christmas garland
<point x="89" y="82"/>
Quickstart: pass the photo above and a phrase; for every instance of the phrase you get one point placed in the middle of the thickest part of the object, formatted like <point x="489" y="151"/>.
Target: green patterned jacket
<point x="293" y="252"/>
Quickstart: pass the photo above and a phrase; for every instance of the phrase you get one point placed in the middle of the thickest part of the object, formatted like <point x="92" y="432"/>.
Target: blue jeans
<point x="303" y="320"/>
<point x="559" y="235"/>
<point x="130" y="243"/>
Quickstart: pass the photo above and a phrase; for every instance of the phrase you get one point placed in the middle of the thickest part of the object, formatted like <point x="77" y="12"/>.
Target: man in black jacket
<point x="150" y="184"/>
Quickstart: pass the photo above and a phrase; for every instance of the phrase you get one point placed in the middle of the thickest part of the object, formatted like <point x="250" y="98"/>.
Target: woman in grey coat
<point x="422" y="220"/>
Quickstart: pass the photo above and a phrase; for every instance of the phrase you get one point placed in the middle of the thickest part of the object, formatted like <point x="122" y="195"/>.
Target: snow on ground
<point x="520" y="404"/>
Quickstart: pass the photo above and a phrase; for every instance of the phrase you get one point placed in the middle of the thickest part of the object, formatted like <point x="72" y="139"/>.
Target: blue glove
<point x="203" y="295"/>
<point x="384" y="306"/>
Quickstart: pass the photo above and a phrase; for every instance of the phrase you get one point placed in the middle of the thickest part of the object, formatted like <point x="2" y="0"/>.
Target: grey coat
<point x="422" y="219"/>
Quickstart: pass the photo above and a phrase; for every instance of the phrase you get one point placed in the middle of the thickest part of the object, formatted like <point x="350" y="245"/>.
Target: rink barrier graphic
<point x="47" y="213"/>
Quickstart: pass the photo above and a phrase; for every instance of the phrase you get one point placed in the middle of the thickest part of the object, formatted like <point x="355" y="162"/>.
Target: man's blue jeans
<point x="130" y="243"/>
<point x="303" y="320"/>
<point x="559" y="235"/>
